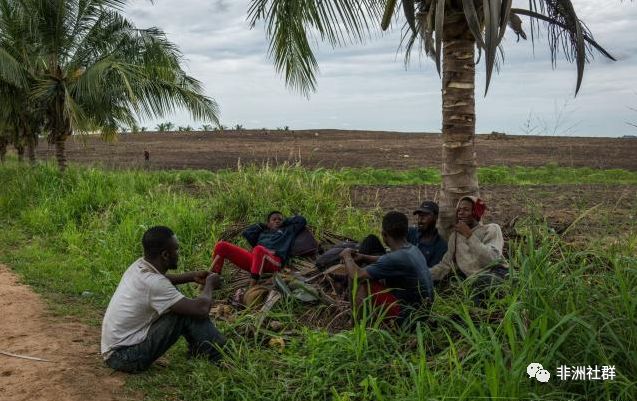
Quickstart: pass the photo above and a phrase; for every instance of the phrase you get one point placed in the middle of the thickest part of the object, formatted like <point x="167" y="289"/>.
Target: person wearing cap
<point x="474" y="248"/>
<point x="425" y="234"/>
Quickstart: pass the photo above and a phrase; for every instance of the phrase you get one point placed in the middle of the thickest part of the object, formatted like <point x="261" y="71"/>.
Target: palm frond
<point x="566" y="33"/>
<point x="290" y="25"/>
<point x="487" y="21"/>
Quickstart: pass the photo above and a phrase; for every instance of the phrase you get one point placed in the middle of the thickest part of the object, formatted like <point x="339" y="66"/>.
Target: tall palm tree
<point x="449" y="31"/>
<point x="91" y="70"/>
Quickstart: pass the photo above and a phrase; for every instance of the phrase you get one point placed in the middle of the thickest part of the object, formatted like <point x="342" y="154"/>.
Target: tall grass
<point x="78" y="232"/>
<point x="561" y="307"/>
<point x="87" y="223"/>
<point x="549" y="174"/>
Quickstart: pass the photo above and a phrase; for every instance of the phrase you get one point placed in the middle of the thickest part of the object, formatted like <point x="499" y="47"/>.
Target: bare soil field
<point x="609" y="211"/>
<point x="560" y="205"/>
<point x="334" y="148"/>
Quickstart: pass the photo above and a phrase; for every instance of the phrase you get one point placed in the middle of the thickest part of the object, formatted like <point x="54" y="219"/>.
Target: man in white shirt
<point x="474" y="249"/>
<point x="147" y="314"/>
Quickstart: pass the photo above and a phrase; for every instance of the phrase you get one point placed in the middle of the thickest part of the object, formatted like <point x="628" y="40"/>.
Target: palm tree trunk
<point x="32" y="143"/>
<point x="20" y="151"/>
<point x="459" y="176"/>
<point x="31" y="151"/>
<point x="60" y="153"/>
<point x="3" y="150"/>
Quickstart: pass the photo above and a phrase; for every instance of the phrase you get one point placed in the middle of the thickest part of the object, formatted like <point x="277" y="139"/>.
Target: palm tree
<point x="19" y="122"/>
<point x="449" y="31"/>
<point x="91" y="70"/>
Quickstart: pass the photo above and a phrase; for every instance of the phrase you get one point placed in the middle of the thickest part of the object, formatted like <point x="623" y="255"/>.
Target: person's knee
<point x="220" y="247"/>
<point x="259" y="250"/>
<point x="127" y="363"/>
<point x="207" y="341"/>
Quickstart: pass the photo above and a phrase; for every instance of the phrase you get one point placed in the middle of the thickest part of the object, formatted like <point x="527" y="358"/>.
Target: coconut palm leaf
<point x="92" y="70"/>
<point x="291" y="24"/>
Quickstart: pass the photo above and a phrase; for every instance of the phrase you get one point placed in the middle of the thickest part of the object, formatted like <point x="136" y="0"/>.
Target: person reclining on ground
<point x="404" y="271"/>
<point x="475" y="249"/>
<point x="425" y="235"/>
<point x="271" y="246"/>
<point x="147" y="314"/>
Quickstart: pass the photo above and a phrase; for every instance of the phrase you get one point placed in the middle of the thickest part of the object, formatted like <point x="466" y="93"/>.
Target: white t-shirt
<point x="141" y="297"/>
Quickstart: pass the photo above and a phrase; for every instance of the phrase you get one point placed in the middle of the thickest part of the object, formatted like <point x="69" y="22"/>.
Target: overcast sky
<point x="367" y="86"/>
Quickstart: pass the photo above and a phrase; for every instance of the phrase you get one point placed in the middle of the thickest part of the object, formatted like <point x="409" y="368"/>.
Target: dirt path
<point x="26" y="328"/>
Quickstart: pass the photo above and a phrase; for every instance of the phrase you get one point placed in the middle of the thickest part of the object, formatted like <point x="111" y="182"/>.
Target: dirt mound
<point x="75" y="370"/>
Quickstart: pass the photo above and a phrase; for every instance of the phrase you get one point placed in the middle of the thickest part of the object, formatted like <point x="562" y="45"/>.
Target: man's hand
<point x="214" y="280"/>
<point x="200" y="277"/>
<point x="463" y="229"/>
<point x="347" y="253"/>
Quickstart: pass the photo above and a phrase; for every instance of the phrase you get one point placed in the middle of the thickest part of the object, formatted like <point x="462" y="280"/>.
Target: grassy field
<point x="76" y="233"/>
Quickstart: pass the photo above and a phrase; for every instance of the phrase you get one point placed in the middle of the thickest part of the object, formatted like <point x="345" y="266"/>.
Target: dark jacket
<point x="279" y="241"/>
<point x="433" y="251"/>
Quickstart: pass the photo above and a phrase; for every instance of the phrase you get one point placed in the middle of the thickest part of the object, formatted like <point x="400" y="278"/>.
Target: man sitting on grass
<point x="475" y="249"/>
<point x="147" y="314"/>
<point x="425" y="235"/>
<point x="400" y="280"/>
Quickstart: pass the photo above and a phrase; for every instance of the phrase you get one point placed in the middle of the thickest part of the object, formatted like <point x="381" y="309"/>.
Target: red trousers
<point x="383" y="298"/>
<point x="260" y="260"/>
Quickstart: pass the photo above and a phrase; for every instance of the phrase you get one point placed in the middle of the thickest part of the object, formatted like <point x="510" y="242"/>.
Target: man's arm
<point x="295" y="223"/>
<point x="489" y="249"/>
<point x="440" y="271"/>
<point x="188" y="277"/>
<point x="200" y="306"/>
<point x="353" y="270"/>
<point x="252" y="233"/>
<point x="360" y="257"/>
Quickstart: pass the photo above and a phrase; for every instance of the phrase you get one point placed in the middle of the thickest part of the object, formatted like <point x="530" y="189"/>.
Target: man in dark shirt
<point x="271" y="243"/>
<point x="425" y="235"/>
<point x="404" y="270"/>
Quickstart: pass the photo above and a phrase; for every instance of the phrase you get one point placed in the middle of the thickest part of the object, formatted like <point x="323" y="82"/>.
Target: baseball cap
<point x="427" y="207"/>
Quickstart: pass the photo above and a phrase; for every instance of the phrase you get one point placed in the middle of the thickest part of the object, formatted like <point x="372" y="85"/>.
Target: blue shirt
<point x="279" y="241"/>
<point x="405" y="273"/>
<point x="433" y="250"/>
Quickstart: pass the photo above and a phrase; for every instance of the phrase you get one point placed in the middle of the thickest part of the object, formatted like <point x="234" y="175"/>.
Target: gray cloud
<point x="367" y="87"/>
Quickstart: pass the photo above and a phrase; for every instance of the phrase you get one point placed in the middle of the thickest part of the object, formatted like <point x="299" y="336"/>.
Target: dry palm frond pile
<point x="323" y="296"/>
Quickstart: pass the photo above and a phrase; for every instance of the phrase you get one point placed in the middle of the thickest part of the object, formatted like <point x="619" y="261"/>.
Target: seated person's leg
<point x="235" y="254"/>
<point x="264" y="261"/>
<point x="484" y="285"/>
<point x="203" y="338"/>
<point x="162" y="334"/>
<point x="382" y="298"/>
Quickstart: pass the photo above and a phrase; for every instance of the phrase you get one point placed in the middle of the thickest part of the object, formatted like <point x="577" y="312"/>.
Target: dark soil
<point x="332" y="148"/>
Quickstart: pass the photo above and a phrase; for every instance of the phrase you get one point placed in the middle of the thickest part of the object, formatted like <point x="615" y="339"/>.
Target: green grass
<point x="550" y="174"/>
<point x="66" y="234"/>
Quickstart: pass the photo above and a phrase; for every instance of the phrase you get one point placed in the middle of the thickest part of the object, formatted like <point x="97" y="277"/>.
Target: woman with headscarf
<point x="474" y="248"/>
